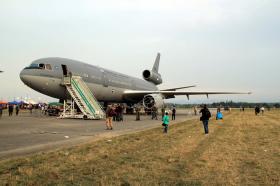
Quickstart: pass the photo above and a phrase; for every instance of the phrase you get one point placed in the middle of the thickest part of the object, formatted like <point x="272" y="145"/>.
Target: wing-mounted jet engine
<point x="151" y="100"/>
<point x="153" y="75"/>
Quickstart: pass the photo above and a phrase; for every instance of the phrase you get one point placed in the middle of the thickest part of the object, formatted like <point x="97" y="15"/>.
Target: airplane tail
<point x="156" y="64"/>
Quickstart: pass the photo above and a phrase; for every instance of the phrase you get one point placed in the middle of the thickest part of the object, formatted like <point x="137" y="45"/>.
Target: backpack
<point x="112" y="113"/>
<point x="208" y="113"/>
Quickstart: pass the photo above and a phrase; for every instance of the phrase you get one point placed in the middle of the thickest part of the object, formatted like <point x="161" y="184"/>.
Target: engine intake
<point x="152" y="77"/>
<point x="151" y="100"/>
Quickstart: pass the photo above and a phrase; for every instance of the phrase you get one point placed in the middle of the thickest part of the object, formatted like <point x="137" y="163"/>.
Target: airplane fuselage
<point x="45" y="76"/>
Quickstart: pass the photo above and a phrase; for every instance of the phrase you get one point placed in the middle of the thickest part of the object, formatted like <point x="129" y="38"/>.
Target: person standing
<point x="257" y="110"/>
<point x="137" y="109"/>
<point x="121" y="112"/>
<point x="1" y="110"/>
<point x="195" y="110"/>
<point x="17" y="110"/>
<point x="173" y="113"/>
<point x="154" y="113"/>
<point x="262" y="110"/>
<point x="42" y="109"/>
<point x="109" y="117"/>
<point x="30" y="107"/>
<point x="219" y="114"/>
<point x="165" y="122"/>
<point x="11" y="109"/>
<point x="205" y="118"/>
<point x="115" y="113"/>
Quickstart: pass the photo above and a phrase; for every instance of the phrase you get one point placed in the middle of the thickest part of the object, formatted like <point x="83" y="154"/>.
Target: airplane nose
<point x="24" y="76"/>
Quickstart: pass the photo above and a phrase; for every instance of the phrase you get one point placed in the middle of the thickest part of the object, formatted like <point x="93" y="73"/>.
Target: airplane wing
<point x="172" y="94"/>
<point x="177" y="88"/>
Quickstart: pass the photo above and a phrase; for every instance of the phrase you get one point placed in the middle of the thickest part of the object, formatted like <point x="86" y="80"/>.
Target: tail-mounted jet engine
<point x="151" y="100"/>
<point x="152" y="77"/>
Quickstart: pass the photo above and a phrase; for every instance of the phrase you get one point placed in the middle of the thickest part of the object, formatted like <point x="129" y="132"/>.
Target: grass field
<point x="243" y="149"/>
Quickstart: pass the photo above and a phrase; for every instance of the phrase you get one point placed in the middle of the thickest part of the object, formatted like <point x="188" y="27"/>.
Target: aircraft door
<point x="64" y="70"/>
<point x="105" y="79"/>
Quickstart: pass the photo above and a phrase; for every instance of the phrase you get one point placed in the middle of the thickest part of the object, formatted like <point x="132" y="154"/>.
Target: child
<point x="165" y="122"/>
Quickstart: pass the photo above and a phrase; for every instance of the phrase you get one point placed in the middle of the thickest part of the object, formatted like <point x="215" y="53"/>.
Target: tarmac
<point x="27" y="133"/>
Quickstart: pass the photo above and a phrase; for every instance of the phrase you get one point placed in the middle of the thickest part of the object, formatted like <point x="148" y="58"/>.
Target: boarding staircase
<point x="83" y="97"/>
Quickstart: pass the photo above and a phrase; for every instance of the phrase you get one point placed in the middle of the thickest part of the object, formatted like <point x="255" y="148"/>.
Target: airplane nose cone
<point x="24" y="76"/>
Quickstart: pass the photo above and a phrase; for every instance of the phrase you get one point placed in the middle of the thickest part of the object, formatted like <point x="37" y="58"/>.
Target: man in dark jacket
<point x="205" y="118"/>
<point x="1" y="110"/>
<point x="11" y="109"/>
<point x="257" y="110"/>
<point x="17" y="110"/>
<point x="173" y="112"/>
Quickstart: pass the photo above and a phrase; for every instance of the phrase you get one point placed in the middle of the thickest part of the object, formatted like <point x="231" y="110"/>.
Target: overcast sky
<point x="219" y="45"/>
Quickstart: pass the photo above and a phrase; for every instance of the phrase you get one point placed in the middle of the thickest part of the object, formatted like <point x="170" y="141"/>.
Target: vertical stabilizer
<point x="156" y="64"/>
<point x="153" y="76"/>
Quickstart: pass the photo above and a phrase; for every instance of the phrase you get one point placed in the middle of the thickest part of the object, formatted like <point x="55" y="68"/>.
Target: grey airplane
<point x="45" y="76"/>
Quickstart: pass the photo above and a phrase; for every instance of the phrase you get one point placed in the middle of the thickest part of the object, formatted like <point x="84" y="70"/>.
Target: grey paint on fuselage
<point x="106" y="85"/>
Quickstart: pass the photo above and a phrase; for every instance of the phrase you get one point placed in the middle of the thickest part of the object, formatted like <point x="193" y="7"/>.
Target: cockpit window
<point x="41" y="66"/>
<point x="48" y="67"/>
<point x="33" y="66"/>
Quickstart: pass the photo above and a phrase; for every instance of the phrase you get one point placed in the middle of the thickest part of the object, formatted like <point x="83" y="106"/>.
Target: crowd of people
<point x="115" y="112"/>
<point x="11" y="109"/>
<point x="259" y="110"/>
<point x="42" y="109"/>
<point x="206" y="114"/>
